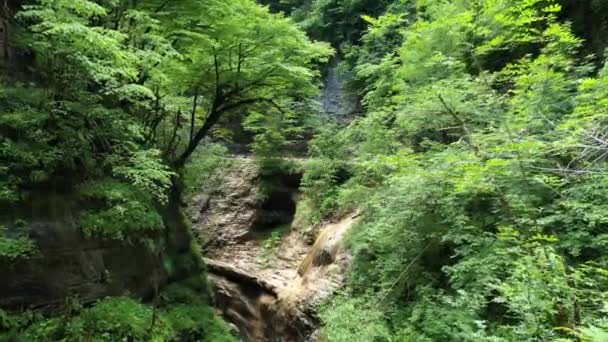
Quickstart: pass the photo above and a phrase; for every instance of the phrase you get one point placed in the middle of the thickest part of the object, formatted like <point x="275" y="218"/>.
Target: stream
<point x="267" y="293"/>
<point x="271" y="293"/>
<point x="336" y="101"/>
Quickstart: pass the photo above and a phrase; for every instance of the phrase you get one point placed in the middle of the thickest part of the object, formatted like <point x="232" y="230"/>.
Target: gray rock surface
<point x="70" y="264"/>
<point x="269" y="296"/>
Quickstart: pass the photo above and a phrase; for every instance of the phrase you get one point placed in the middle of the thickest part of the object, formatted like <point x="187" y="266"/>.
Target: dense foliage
<point x="484" y="152"/>
<point x="479" y="166"/>
<point x="107" y="102"/>
<point x="182" y="315"/>
<point x="121" y="93"/>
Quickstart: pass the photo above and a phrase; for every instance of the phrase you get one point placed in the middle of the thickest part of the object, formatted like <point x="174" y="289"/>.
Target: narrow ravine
<point x="268" y="271"/>
<point x="269" y="295"/>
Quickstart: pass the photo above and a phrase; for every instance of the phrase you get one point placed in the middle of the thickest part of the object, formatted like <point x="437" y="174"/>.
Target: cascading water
<point x="266" y="298"/>
<point x="276" y="301"/>
<point x="337" y="102"/>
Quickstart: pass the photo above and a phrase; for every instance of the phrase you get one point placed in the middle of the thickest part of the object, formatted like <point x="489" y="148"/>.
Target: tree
<point x="480" y="167"/>
<point x="240" y="56"/>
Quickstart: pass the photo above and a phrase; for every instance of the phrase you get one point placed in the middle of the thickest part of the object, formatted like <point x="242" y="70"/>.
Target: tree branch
<point x="193" y="113"/>
<point x="463" y="125"/>
<point x="217" y="110"/>
<point x="162" y="6"/>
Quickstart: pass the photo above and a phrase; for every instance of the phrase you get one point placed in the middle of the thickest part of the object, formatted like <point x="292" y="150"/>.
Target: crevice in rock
<point x="278" y="209"/>
<point x="268" y="285"/>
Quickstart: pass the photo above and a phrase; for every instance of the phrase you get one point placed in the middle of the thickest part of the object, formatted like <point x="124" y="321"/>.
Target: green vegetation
<point x="479" y="163"/>
<point x="106" y="103"/>
<point x="202" y="167"/>
<point x="183" y="315"/>
<point x="15" y="247"/>
<point x="123" y="95"/>
<point x="271" y="244"/>
<point x="481" y="169"/>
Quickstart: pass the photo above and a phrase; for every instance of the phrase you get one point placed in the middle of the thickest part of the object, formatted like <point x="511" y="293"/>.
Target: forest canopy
<point x="117" y="96"/>
<point x="484" y="147"/>
<point x="477" y="158"/>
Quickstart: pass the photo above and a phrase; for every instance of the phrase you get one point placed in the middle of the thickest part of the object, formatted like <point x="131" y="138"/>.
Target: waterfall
<point x="337" y="102"/>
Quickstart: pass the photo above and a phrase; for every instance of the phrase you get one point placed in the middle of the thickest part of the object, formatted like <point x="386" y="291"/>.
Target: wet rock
<point x="269" y="295"/>
<point x="225" y="214"/>
<point x="337" y="102"/>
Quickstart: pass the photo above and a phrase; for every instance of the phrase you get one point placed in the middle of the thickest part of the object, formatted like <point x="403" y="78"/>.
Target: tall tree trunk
<point x="212" y="119"/>
<point x="193" y="114"/>
<point x="5" y="16"/>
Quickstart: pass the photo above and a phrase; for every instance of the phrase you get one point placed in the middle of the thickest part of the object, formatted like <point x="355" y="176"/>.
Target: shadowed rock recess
<point x="67" y="263"/>
<point x="268" y="296"/>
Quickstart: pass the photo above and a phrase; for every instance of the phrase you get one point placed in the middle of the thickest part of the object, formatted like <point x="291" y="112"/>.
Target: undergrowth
<point x="183" y="313"/>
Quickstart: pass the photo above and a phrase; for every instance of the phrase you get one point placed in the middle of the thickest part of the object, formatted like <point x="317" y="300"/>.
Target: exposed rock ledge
<point x="268" y="299"/>
<point x="239" y="276"/>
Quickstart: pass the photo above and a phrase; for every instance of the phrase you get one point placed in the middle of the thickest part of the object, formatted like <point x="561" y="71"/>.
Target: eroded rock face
<point x="278" y="301"/>
<point x="235" y="212"/>
<point x="268" y="296"/>
<point x="255" y="306"/>
<point x="70" y="264"/>
<point x="249" y="303"/>
<point x="224" y="215"/>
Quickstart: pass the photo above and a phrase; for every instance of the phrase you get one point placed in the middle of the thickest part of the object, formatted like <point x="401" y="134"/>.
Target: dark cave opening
<point x="278" y="207"/>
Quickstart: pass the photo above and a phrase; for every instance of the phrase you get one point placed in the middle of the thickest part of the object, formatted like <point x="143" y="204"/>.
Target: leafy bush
<point x="198" y="323"/>
<point x="15" y="248"/>
<point x="354" y="319"/>
<point x="481" y="171"/>
<point x="123" y="210"/>
<point x="183" y="314"/>
<point x="270" y="246"/>
<point x="119" y="318"/>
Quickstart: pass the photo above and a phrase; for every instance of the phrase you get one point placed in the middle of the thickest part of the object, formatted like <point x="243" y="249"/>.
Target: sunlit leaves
<point x="146" y="171"/>
<point x="501" y="190"/>
<point x="127" y="213"/>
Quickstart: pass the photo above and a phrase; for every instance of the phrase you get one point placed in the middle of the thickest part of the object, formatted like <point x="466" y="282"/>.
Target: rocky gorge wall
<point x="68" y="263"/>
<point x="268" y="271"/>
